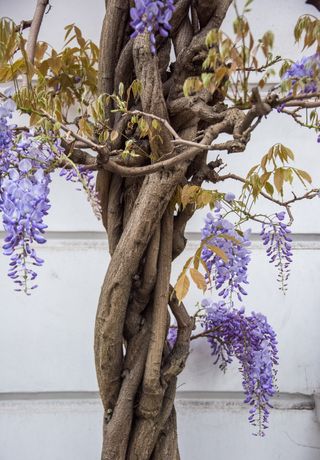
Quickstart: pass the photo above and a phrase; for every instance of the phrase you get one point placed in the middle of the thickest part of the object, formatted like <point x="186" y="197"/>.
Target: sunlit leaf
<point x="198" y="279"/>
<point x="218" y="251"/>
<point x="182" y="287"/>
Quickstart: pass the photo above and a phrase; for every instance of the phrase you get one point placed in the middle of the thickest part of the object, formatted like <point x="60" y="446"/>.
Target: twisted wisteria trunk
<point x="136" y="370"/>
<point x="147" y="54"/>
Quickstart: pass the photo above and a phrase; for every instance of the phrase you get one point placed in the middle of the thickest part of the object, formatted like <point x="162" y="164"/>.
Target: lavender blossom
<point x="152" y="16"/>
<point x="229" y="276"/>
<point x="172" y="336"/>
<point x="306" y="71"/>
<point x="26" y="164"/>
<point x="24" y="190"/>
<point x="229" y="196"/>
<point x="86" y="178"/>
<point x="276" y="237"/>
<point x="253" y="342"/>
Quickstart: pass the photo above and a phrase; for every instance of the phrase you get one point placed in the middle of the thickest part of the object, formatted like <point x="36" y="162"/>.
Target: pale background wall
<point x="49" y="408"/>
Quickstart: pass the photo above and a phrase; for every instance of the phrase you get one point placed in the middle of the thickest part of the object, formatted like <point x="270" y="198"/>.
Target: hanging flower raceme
<point x="229" y="275"/>
<point x="26" y="164"/>
<point x="231" y="334"/>
<point x="84" y="177"/>
<point x="276" y="237"/>
<point x="152" y="16"/>
<point x="6" y="134"/>
<point x="24" y="202"/>
<point x="306" y="72"/>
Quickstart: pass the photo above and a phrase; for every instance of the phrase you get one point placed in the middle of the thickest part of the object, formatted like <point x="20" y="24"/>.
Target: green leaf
<point x="155" y="124"/>
<point x="269" y="188"/>
<point x="212" y="38"/>
<point x="192" y="85"/>
<point x="121" y="89"/>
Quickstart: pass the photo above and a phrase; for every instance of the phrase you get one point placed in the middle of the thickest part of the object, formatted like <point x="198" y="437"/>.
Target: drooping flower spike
<point x="250" y="339"/>
<point x="276" y="237"/>
<point x="229" y="275"/>
<point x="26" y="165"/>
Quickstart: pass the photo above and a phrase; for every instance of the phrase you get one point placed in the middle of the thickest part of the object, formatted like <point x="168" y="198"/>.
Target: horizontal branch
<point x="25" y="24"/>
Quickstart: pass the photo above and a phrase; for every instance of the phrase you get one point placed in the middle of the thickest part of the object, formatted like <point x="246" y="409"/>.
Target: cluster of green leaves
<point x="273" y="172"/>
<point x="230" y="61"/>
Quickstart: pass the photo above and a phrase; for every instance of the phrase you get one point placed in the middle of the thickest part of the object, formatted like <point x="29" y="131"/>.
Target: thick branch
<point x="152" y="393"/>
<point x="35" y="28"/>
<point x="176" y="361"/>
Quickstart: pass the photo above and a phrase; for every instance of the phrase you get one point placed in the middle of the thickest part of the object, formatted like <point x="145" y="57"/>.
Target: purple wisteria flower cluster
<point x="229" y="275"/>
<point x="276" y="237"/>
<point x="253" y="342"/>
<point x="152" y="16"/>
<point x="307" y="72"/>
<point x="27" y="161"/>
<point x="24" y="190"/>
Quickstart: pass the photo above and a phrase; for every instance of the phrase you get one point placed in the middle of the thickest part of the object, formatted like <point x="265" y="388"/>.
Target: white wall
<point x="48" y="393"/>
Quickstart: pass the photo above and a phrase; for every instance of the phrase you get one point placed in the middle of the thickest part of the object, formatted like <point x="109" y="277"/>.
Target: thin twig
<point x="23" y="25"/>
<point x="308" y="195"/>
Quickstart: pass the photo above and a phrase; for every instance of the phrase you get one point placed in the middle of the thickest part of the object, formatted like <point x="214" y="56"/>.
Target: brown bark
<point x="136" y="370"/>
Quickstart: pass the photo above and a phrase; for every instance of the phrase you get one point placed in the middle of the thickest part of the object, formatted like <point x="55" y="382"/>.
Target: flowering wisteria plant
<point x="132" y="124"/>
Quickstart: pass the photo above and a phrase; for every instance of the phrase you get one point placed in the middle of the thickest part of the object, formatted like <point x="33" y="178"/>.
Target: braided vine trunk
<point x="136" y="371"/>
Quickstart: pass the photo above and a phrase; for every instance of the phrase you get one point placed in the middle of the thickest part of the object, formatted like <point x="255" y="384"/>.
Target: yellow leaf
<point x="229" y="237"/>
<point x="114" y="135"/>
<point x="264" y="177"/>
<point x="289" y="152"/>
<point x="252" y="170"/>
<point x="188" y="194"/>
<point x="197" y="258"/>
<point x="182" y="287"/>
<point x="85" y="127"/>
<point x="198" y="279"/>
<point x="187" y="264"/>
<point x="203" y="198"/>
<point x="278" y="179"/>
<point x="155" y="124"/>
<point x="219" y="252"/>
<point x="306" y="176"/>
<point x="264" y="161"/>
